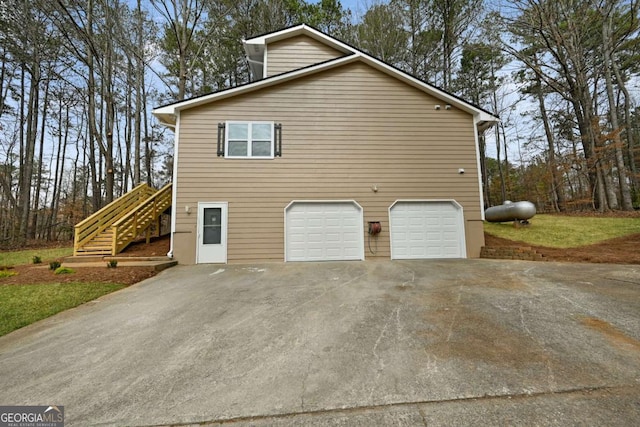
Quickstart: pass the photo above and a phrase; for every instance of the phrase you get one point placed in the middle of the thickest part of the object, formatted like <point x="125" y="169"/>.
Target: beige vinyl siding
<point x="343" y="131"/>
<point x="297" y="52"/>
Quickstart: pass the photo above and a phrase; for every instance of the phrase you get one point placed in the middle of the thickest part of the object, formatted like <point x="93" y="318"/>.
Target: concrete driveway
<point x="460" y="342"/>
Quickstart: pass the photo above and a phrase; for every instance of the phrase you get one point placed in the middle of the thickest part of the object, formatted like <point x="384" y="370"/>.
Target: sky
<point x="357" y="7"/>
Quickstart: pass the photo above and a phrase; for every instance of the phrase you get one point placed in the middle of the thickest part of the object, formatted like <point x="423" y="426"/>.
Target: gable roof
<point x="256" y="46"/>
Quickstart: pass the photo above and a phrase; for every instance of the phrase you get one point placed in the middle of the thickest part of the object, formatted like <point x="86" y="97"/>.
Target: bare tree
<point x="566" y="34"/>
<point x="608" y="9"/>
<point x="183" y="19"/>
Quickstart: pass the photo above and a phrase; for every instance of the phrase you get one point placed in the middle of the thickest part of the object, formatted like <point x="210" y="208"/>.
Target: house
<point x="325" y="140"/>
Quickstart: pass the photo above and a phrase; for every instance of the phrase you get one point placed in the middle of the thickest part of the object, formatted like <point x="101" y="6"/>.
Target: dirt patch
<point x="33" y="275"/>
<point x="159" y="246"/>
<point x="622" y="250"/>
<point x="40" y="273"/>
<point x="613" y="334"/>
<point x="459" y="332"/>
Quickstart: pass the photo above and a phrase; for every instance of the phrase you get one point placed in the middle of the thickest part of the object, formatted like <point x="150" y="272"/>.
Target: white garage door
<point x="324" y="231"/>
<point x="427" y="229"/>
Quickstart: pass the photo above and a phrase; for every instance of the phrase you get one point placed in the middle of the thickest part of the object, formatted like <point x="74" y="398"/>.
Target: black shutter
<point x="221" y="128"/>
<point x="277" y="139"/>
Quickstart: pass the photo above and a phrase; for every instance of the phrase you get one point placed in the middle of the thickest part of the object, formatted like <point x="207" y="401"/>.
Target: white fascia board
<point x="485" y="121"/>
<point x="165" y="116"/>
<point x="299" y="30"/>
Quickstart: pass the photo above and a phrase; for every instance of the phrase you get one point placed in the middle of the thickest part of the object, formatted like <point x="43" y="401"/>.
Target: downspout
<point x="253" y="61"/>
<point x="260" y="63"/>
<point x="476" y="133"/>
<point x="174" y="181"/>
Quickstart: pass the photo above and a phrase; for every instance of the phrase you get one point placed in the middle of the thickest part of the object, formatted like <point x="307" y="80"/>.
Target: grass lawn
<point x="13" y="258"/>
<point x="556" y="231"/>
<point x="21" y="305"/>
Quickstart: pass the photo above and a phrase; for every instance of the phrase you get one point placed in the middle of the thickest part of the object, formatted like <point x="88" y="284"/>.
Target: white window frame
<point x="249" y="139"/>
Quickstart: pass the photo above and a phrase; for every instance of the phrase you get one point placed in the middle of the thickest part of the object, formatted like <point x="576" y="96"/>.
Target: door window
<point x="212" y="227"/>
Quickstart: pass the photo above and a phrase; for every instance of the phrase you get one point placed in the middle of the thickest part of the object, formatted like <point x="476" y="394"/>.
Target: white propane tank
<point x="509" y="211"/>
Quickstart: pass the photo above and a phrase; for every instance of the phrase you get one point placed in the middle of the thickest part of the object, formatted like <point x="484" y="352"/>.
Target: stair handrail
<point x="125" y="229"/>
<point x="102" y="219"/>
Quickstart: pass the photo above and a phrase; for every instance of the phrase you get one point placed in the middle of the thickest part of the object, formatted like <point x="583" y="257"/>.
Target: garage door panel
<point x="426" y="229"/>
<point x="333" y="222"/>
<point x="319" y="231"/>
<point x="297" y="238"/>
<point x="332" y="238"/>
<point x="315" y="222"/>
<point x="296" y="223"/>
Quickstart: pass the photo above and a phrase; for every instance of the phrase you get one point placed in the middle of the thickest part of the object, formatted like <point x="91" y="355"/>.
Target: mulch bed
<point x="36" y="274"/>
<point x="40" y="273"/>
<point x="622" y="250"/>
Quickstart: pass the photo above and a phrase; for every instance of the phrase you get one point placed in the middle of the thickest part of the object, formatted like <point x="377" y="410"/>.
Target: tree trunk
<point x="629" y="130"/>
<point x="107" y="82"/>
<point x="625" y="191"/>
<point x="129" y="117"/>
<point x="91" y="112"/>
<point x="36" y="201"/>
<point x="503" y="192"/>
<point x="139" y="82"/>
<point x="59" y="172"/>
<point x="581" y="103"/>
<point x="556" y="179"/>
<point x="31" y="135"/>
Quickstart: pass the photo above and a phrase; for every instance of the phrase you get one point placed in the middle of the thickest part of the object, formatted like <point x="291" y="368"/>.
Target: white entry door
<point x="212" y="233"/>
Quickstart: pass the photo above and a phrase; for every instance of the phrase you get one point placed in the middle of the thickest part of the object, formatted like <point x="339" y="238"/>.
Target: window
<point x="249" y="139"/>
<point x="253" y="140"/>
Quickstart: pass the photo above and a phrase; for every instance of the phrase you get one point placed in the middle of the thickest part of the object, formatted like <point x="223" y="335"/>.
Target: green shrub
<point x="36" y="259"/>
<point x="54" y="265"/>
<point x="112" y="263"/>
<point x="64" y="270"/>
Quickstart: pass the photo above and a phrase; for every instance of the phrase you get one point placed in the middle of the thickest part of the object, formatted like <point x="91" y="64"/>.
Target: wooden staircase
<point x="98" y="245"/>
<point x="111" y="229"/>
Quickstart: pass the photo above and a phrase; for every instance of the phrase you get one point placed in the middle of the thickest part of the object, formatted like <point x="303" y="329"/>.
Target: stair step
<point x="93" y="253"/>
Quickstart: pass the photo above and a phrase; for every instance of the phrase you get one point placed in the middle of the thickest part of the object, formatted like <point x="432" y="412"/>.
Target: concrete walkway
<point x="460" y="342"/>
